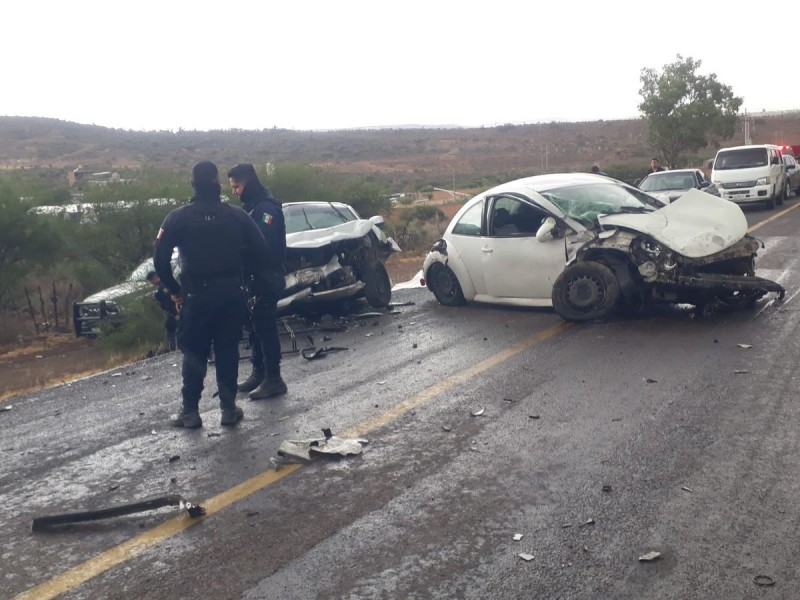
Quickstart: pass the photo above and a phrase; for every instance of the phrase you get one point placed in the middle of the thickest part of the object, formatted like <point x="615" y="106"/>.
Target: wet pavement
<point x="596" y="442"/>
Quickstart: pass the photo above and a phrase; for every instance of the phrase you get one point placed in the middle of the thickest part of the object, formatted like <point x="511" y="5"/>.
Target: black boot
<point x="190" y="419"/>
<point x="271" y="386"/>
<point x="231" y="415"/>
<point x="252" y="382"/>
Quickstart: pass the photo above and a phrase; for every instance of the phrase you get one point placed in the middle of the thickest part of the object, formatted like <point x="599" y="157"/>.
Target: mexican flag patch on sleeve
<point x="267" y="218"/>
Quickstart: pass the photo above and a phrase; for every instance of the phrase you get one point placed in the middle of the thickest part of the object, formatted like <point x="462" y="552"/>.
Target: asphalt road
<point x="598" y="443"/>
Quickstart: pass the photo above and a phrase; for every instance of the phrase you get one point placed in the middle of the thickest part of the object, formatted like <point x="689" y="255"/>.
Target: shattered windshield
<point x="584" y="202"/>
<point x="304" y="217"/>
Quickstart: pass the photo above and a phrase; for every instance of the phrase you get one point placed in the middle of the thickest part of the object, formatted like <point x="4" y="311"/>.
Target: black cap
<point x="204" y="174"/>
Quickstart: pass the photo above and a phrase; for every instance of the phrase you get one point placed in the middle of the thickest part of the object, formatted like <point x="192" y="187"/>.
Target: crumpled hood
<point x="352" y="230"/>
<point x="697" y="224"/>
<point x="118" y="291"/>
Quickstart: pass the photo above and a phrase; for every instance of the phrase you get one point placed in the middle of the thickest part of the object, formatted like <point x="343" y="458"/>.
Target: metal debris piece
<point x="116" y="374"/>
<point x="687" y="489"/>
<point x="534" y="416"/>
<point x="43" y="523"/>
<point x="314" y="353"/>
<point x="154" y="432"/>
<point x="113" y="488"/>
<point x="368" y="334"/>
<point x="650" y="556"/>
<point x="763" y="580"/>
<point x="6" y="408"/>
<point x="517" y="537"/>
<point x="381" y="383"/>
<point x="146" y="378"/>
<point x="650" y="380"/>
<point x="586" y="548"/>
<point x="446" y="428"/>
<point x="740" y="371"/>
<point x="330" y="444"/>
<point x="368" y="315"/>
<point x="477" y="412"/>
<point x="526" y="557"/>
<point x="745" y="346"/>
<point x="588" y="521"/>
<point x="398" y="304"/>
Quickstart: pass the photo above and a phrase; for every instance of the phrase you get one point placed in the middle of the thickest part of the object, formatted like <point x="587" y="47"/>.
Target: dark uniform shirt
<point x="215" y="240"/>
<point x="267" y="214"/>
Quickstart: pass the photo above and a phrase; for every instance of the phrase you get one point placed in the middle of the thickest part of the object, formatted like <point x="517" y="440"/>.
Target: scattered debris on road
<point x="315" y="353"/>
<point x="446" y="428"/>
<point x="527" y="557"/>
<point x="740" y="371"/>
<point x="588" y="521"/>
<point x="6" y="408"/>
<point x="606" y="488"/>
<point x="517" y="537"/>
<point x="687" y="489"/>
<point x="650" y="556"/>
<point x="649" y="380"/>
<point x="174" y="458"/>
<point x="46" y="522"/>
<point x="329" y="445"/>
<point x="534" y="416"/>
<point x="477" y="412"/>
<point x="763" y="580"/>
<point x="745" y="346"/>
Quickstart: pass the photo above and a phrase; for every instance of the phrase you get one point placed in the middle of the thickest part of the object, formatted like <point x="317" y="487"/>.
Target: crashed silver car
<point x="589" y="245"/>
<point x="108" y="305"/>
<point x="333" y="254"/>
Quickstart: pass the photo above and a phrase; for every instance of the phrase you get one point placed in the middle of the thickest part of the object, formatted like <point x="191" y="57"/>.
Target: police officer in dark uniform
<point x="164" y="299"/>
<point x="265" y="381"/>
<point x="218" y="244"/>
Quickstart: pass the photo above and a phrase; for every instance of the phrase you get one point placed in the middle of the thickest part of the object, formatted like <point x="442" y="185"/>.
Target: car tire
<point x="444" y="285"/>
<point x="586" y="291"/>
<point x="377" y="285"/>
<point x="770" y="204"/>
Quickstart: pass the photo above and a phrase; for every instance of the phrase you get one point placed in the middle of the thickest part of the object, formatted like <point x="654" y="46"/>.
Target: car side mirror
<point x="545" y="232"/>
<point x="664" y="198"/>
<point x="378" y="221"/>
<point x="704" y="184"/>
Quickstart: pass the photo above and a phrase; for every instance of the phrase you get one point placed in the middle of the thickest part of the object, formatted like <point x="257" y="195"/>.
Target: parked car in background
<point x="676" y="183"/>
<point x="746" y="174"/>
<point x="333" y="254"/>
<point x="792" y="173"/>
<point x="589" y="245"/>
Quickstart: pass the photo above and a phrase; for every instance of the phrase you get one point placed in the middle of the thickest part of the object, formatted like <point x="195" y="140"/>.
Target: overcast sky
<point x="340" y="64"/>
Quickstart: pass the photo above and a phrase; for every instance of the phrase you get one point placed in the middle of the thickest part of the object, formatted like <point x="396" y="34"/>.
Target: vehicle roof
<point x="747" y="146"/>
<point x="672" y="171"/>
<point x="315" y="203"/>
<point x="543" y="183"/>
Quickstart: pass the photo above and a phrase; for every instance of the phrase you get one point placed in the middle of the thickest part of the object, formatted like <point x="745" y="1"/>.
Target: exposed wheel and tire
<point x="586" y="291"/>
<point x="770" y="204"/>
<point x="444" y="285"/>
<point x="377" y="285"/>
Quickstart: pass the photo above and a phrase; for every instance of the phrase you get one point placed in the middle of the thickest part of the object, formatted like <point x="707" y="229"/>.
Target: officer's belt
<point x="194" y="283"/>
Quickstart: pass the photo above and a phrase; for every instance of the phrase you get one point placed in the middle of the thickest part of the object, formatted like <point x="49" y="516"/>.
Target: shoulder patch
<point x="160" y="233"/>
<point x="267" y="218"/>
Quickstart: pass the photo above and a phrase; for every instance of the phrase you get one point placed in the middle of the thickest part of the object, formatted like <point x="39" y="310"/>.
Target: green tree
<point x="686" y="111"/>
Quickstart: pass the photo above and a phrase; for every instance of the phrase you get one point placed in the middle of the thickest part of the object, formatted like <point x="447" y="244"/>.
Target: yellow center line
<point x="772" y="218"/>
<point x="119" y="554"/>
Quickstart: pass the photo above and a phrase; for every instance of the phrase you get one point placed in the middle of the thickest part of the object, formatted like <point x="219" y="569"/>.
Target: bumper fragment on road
<point x="48" y="522"/>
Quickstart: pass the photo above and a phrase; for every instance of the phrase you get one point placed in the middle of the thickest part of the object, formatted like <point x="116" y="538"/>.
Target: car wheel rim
<point x="585" y="293"/>
<point x="445" y="284"/>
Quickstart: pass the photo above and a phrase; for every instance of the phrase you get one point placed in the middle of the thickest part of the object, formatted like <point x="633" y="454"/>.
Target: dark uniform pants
<point x="211" y="315"/>
<point x="264" y="340"/>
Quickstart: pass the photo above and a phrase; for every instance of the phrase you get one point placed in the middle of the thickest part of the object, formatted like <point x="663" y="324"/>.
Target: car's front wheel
<point x="586" y="291"/>
<point x="444" y="285"/>
<point x="377" y="285"/>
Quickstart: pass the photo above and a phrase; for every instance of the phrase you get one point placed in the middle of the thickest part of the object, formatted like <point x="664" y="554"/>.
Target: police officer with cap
<point x="218" y="244"/>
<point x="265" y="381"/>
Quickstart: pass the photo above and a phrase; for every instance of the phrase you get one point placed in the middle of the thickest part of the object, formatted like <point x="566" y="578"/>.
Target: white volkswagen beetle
<point x="589" y="245"/>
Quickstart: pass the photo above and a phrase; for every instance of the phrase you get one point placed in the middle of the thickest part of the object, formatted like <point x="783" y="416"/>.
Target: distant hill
<point x="398" y="157"/>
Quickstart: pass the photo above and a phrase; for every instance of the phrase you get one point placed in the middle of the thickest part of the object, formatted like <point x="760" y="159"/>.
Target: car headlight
<point x="764" y="180"/>
<point x="719" y="184"/>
